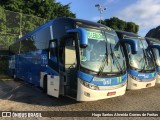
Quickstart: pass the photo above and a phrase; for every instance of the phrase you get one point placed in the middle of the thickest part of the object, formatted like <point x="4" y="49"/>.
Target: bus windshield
<point x="143" y="59"/>
<point x="103" y="50"/>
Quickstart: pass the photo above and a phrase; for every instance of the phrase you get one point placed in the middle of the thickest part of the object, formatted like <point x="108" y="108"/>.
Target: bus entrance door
<point x="53" y="83"/>
<point x="71" y="71"/>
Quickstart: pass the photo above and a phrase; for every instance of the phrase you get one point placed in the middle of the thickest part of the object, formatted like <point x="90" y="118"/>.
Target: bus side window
<point x="53" y="50"/>
<point x="70" y="42"/>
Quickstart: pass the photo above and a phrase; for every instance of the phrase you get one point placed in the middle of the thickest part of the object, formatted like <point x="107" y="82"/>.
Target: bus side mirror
<point x="156" y="46"/>
<point x="83" y="36"/>
<point x="132" y="43"/>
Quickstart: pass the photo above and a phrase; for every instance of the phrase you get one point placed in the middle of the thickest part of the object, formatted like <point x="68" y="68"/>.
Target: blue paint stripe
<point x="111" y="81"/>
<point x="142" y="76"/>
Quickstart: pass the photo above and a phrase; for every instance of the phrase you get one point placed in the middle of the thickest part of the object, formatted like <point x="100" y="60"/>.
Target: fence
<point x="12" y="26"/>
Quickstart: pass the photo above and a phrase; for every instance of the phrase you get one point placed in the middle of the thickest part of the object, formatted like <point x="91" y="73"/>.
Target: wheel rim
<point x="14" y="76"/>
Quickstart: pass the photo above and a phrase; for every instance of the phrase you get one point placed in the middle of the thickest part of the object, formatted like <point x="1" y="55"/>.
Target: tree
<point x="47" y="9"/>
<point x="117" y="24"/>
<point x="154" y="33"/>
<point x="34" y="14"/>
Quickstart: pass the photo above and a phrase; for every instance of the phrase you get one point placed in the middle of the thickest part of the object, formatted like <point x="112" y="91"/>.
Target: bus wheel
<point x="14" y="76"/>
<point x="45" y="84"/>
<point x="127" y="86"/>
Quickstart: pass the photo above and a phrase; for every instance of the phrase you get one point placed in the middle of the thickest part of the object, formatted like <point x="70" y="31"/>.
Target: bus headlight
<point x="135" y="78"/>
<point x="89" y="85"/>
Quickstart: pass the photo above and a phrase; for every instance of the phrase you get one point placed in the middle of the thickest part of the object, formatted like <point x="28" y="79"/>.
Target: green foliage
<point x="2" y="21"/>
<point x="47" y="9"/>
<point x="3" y="66"/>
<point x="30" y="22"/>
<point x="154" y="33"/>
<point x="27" y="15"/>
<point x="6" y="40"/>
<point x="117" y="24"/>
<point x="10" y="26"/>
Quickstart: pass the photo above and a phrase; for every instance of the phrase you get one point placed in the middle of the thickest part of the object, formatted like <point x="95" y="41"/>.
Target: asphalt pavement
<point x="20" y="96"/>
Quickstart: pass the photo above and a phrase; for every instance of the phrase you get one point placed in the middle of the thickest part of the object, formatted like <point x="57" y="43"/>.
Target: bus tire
<point x="14" y="76"/>
<point x="127" y="85"/>
<point x="45" y="84"/>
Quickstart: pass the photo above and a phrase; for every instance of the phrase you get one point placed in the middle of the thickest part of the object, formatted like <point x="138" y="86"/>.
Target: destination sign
<point x="100" y="36"/>
<point x="95" y="35"/>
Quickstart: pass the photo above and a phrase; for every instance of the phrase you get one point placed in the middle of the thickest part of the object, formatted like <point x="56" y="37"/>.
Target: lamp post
<point x="20" y="26"/>
<point x="100" y="9"/>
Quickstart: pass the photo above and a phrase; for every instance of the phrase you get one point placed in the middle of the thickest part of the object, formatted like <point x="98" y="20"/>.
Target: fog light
<point x="87" y="94"/>
<point x="148" y="85"/>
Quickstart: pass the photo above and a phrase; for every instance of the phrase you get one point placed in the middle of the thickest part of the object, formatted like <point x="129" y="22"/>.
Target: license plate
<point x="148" y="85"/>
<point x="111" y="93"/>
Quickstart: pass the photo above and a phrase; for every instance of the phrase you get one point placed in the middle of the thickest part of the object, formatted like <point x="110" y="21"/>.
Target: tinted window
<point x="15" y="48"/>
<point x="42" y="38"/>
<point x="27" y="45"/>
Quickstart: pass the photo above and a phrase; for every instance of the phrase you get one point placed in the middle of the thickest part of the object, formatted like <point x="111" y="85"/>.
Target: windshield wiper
<point x="119" y="66"/>
<point x="145" y="58"/>
<point x="142" y="60"/>
<point x="104" y="61"/>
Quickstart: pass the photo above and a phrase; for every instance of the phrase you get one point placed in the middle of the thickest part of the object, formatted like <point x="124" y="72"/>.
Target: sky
<point x="145" y="13"/>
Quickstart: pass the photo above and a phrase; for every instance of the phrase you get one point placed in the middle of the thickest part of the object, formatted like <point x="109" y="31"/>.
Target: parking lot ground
<point x="20" y="96"/>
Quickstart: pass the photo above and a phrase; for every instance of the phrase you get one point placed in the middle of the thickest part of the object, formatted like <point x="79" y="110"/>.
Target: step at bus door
<point x="53" y="85"/>
<point x="53" y="81"/>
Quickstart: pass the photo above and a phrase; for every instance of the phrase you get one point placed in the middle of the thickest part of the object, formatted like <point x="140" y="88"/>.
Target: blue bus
<point x="156" y="54"/>
<point x="71" y="57"/>
<point x="141" y="65"/>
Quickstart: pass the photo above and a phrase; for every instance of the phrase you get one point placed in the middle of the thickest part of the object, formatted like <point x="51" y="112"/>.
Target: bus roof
<point x="49" y="23"/>
<point x="129" y="34"/>
<point x="152" y="40"/>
